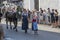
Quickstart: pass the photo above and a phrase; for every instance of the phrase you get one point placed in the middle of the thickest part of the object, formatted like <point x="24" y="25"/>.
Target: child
<point x="34" y="22"/>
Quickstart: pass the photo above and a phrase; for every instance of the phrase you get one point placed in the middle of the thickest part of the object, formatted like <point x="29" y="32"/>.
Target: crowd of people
<point x="49" y="17"/>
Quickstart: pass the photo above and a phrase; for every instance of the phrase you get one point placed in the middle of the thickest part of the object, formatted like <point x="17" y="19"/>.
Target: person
<point x="59" y="21"/>
<point x="38" y="14"/>
<point x="53" y="18"/>
<point x="41" y="16"/>
<point x="44" y="16"/>
<point x="15" y="18"/>
<point x="56" y="18"/>
<point x="25" y="20"/>
<point x="9" y="17"/>
<point x="34" y="22"/>
<point x="49" y="16"/>
<point x="28" y="11"/>
<point x="1" y="29"/>
<point x="1" y="32"/>
<point x="0" y="15"/>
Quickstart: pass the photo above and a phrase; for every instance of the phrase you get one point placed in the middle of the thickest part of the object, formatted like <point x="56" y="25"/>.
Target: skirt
<point x="34" y="26"/>
<point x="52" y="19"/>
<point x="56" y="18"/>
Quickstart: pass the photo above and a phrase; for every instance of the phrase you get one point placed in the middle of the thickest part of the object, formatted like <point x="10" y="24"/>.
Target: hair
<point x="24" y="9"/>
<point x="41" y="8"/>
<point x="52" y="9"/>
<point x="48" y="8"/>
<point x="41" y="11"/>
<point x="56" y="10"/>
<point x="44" y="10"/>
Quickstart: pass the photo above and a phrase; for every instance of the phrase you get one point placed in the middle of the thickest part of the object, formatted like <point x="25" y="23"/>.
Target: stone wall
<point x="49" y="3"/>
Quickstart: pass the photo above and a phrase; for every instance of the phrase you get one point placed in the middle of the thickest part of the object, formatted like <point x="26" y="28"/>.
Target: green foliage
<point x="19" y="9"/>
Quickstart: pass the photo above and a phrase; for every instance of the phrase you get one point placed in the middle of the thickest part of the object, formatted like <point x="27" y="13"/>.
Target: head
<point x="44" y="10"/>
<point x="40" y="8"/>
<point x="52" y="10"/>
<point x="24" y="10"/>
<point x="27" y="9"/>
<point x="41" y="11"/>
<point x="48" y="9"/>
<point x="56" y="10"/>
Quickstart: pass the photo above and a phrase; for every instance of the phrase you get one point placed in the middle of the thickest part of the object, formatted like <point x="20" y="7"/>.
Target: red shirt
<point x="34" y="20"/>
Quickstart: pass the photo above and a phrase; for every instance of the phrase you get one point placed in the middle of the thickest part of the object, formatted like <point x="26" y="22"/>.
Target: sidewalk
<point x="20" y="35"/>
<point x="45" y="33"/>
<point x="40" y="27"/>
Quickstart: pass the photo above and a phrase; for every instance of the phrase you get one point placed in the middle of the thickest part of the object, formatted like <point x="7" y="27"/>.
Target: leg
<point x="26" y="31"/>
<point x="7" y="24"/>
<point x="10" y="25"/>
<point x="0" y="20"/>
<point x="15" y="24"/>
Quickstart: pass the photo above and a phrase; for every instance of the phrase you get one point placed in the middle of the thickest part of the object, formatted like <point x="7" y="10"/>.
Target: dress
<point x="24" y="21"/>
<point x="34" y="23"/>
<point x="52" y="17"/>
<point x="56" y="17"/>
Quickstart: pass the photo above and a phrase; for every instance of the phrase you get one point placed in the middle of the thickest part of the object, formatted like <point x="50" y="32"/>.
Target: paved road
<point x="20" y="35"/>
<point x="43" y="34"/>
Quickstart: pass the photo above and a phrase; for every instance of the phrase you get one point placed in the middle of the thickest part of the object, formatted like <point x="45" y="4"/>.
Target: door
<point x="36" y="2"/>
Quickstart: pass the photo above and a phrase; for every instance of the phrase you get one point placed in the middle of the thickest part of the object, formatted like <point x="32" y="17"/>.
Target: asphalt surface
<point x="44" y="33"/>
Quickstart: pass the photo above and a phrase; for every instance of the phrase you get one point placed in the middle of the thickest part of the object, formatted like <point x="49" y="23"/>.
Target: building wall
<point x="42" y="4"/>
<point x="53" y="4"/>
<point x="49" y="3"/>
<point x="1" y="1"/>
<point x="28" y="4"/>
<point x="31" y="4"/>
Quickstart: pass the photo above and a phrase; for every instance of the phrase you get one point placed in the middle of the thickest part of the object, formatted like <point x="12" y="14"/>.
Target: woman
<point x="49" y="16"/>
<point x="56" y="18"/>
<point x="53" y="18"/>
<point x="25" y="20"/>
<point x="34" y="22"/>
<point x="45" y="17"/>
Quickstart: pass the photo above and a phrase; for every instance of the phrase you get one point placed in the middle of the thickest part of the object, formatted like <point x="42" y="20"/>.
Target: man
<point x="0" y="15"/>
<point x="49" y="16"/>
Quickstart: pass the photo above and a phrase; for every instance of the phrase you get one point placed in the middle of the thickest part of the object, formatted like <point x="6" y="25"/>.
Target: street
<point x="45" y="33"/>
<point x="42" y="11"/>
